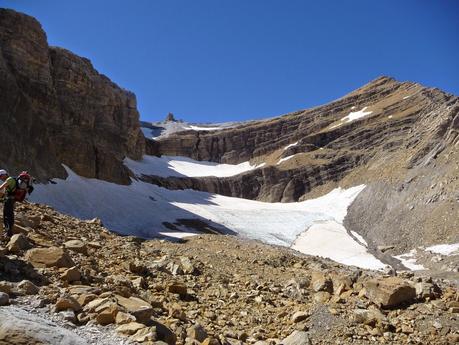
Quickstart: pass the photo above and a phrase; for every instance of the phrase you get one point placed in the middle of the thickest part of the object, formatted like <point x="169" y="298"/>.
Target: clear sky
<point x="222" y="60"/>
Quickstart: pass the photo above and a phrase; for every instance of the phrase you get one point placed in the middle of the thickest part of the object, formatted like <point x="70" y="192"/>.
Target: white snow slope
<point x="165" y="166"/>
<point x="142" y="208"/>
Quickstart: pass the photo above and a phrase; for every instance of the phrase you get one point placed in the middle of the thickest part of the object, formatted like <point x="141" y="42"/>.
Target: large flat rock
<point x="22" y="328"/>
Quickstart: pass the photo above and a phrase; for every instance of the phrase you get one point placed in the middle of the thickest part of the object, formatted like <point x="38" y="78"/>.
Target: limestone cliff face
<point x="57" y="109"/>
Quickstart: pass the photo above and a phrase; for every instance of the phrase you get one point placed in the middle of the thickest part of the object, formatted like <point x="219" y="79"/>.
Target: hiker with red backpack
<point x="13" y="189"/>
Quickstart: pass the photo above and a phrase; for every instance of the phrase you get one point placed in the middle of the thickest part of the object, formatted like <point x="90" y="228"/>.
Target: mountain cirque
<point x="402" y="143"/>
<point x="210" y="289"/>
<point x="399" y="139"/>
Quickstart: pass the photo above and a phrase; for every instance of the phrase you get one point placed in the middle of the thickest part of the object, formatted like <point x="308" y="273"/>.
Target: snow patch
<point x="407" y="97"/>
<point x="200" y="128"/>
<point x="445" y="249"/>
<point x="166" y="166"/>
<point x="330" y="239"/>
<point x="409" y="260"/>
<point x="291" y="145"/>
<point x="285" y="159"/>
<point x="359" y="238"/>
<point x="355" y="115"/>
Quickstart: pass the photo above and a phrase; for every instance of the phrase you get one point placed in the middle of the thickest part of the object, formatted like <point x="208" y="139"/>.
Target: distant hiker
<point x="13" y="189"/>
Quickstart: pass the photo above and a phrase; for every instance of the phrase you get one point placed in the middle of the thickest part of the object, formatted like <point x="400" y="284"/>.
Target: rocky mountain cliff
<point x="56" y="108"/>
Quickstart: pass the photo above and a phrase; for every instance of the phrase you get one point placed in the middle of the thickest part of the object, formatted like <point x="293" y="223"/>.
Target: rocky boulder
<point x="4" y="299"/>
<point x="18" y="243"/>
<point x="389" y="292"/>
<point x="21" y="328"/>
<point x="49" y="257"/>
<point x="137" y="307"/>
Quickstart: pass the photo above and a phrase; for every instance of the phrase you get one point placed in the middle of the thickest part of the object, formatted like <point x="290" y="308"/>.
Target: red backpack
<point x="23" y="186"/>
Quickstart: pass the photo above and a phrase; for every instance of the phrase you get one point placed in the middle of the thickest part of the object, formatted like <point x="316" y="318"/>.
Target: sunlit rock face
<point x="398" y="138"/>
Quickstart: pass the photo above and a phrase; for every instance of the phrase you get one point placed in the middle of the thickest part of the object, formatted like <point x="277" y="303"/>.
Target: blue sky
<point x="221" y="60"/>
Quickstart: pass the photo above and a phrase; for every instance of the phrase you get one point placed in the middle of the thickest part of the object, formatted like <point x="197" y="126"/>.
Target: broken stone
<point x="197" y="332"/>
<point x="65" y="303"/>
<point x="178" y="288"/>
<point x="297" y="338"/>
<point x="107" y="316"/>
<point x="145" y="335"/>
<point x="4" y="299"/>
<point x="123" y="318"/>
<point x="130" y="328"/>
<point x="26" y="287"/>
<point x="71" y="275"/>
<point x="426" y="290"/>
<point x="299" y="316"/>
<point x="76" y="246"/>
<point x="389" y="292"/>
<point x="18" y="243"/>
<point x="49" y="257"/>
<point x="141" y="309"/>
<point x="368" y="317"/>
<point x="187" y="265"/>
<point x="320" y="282"/>
<point x="84" y="299"/>
<point x="322" y="297"/>
<point x="385" y="248"/>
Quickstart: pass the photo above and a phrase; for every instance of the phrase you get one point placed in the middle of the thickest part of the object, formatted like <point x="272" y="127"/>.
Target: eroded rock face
<point x="57" y="109"/>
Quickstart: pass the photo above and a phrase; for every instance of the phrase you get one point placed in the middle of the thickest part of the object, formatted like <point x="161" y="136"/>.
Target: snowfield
<point x="165" y="166"/>
<point x="352" y="116"/>
<point x="409" y="260"/>
<point x="355" y="115"/>
<point x="146" y="210"/>
<point x="445" y="249"/>
<point x="330" y="239"/>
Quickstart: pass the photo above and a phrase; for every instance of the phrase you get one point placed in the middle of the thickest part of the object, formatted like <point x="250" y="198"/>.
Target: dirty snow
<point x="409" y="260"/>
<point x="445" y="249"/>
<point x="330" y="239"/>
<point x="142" y="209"/>
<point x="166" y="166"/>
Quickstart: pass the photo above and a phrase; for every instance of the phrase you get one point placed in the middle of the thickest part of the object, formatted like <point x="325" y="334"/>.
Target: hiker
<point x="13" y="189"/>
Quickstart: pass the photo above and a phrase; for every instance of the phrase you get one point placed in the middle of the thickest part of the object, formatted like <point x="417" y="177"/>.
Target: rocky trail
<point x="73" y="282"/>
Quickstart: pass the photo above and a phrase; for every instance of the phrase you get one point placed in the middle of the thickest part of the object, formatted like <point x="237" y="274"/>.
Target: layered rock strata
<point x="57" y="109"/>
<point x="399" y="139"/>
